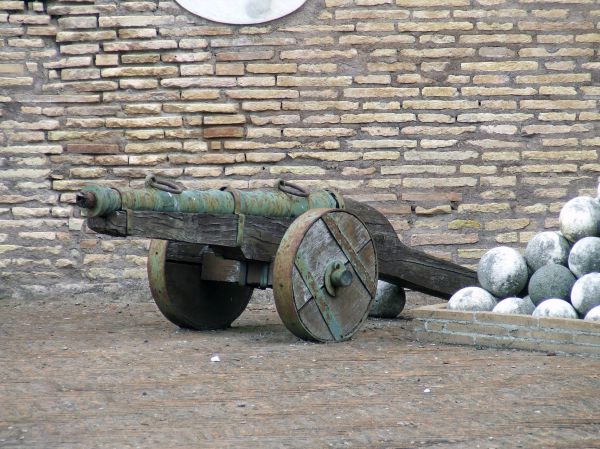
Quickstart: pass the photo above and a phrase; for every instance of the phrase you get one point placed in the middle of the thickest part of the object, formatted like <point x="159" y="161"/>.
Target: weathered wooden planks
<point x="113" y="224"/>
<point x="259" y="239"/>
<point x="259" y="236"/>
<point x="408" y="267"/>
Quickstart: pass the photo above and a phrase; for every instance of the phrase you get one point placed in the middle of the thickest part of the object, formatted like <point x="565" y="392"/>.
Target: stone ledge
<point x="561" y="335"/>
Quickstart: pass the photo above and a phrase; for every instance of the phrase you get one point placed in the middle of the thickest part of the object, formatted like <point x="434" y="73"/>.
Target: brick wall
<point x="468" y="122"/>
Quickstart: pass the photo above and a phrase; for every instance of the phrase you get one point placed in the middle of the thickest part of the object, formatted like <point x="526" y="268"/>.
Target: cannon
<point x="320" y="253"/>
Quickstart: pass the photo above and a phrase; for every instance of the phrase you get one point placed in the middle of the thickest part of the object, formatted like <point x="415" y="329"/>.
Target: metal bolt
<point x="336" y="276"/>
<point x="340" y="277"/>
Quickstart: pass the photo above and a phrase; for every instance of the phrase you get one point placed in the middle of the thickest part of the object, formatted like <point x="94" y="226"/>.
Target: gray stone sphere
<point x="580" y="218"/>
<point x="585" y="294"/>
<point x="389" y="301"/>
<point x="556" y="308"/>
<point x="551" y="281"/>
<point x="514" y="305"/>
<point x="472" y="299"/>
<point x="593" y="315"/>
<point x="547" y="247"/>
<point x="502" y="271"/>
<point x="585" y="256"/>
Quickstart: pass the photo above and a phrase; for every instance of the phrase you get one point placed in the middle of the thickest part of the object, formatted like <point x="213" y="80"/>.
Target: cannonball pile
<point x="557" y="276"/>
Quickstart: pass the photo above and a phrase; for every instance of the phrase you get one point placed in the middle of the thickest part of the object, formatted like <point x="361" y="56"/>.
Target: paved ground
<point x="117" y="375"/>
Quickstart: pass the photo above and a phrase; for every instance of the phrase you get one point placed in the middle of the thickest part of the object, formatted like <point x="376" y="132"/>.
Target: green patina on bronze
<point x="272" y="204"/>
<point x="107" y="200"/>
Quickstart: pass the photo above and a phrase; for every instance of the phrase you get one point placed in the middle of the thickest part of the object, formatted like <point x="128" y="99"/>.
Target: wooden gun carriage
<point x="320" y="253"/>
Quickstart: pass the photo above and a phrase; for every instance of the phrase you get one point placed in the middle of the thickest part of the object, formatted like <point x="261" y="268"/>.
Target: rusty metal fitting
<point x="85" y="200"/>
<point x="237" y="198"/>
<point x="291" y="188"/>
<point x="158" y="183"/>
<point x="336" y="275"/>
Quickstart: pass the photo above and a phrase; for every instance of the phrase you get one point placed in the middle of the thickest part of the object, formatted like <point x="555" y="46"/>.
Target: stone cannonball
<point x="556" y="308"/>
<point x="593" y="315"/>
<point x="580" y="218"/>
<point x="389" y="301"/>
<point x="584" y="257"/>
<point x="502" y="271"/>
<point x="514" y="305"/>
<point x="585" y="294"/>
<point x="547" y="247"/>
<point x="551" y="281"/>
<point x="472" y="299"/>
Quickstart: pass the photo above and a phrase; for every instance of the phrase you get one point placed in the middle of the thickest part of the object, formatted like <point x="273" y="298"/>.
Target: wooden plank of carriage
<point x="103" y="373"/>
<point x="398" y="263"/>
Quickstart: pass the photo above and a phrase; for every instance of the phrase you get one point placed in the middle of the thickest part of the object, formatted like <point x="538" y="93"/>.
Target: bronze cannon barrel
<point x="286" y="201"/>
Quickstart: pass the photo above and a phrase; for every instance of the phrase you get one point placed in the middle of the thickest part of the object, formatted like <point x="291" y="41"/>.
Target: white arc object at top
<point x="241" y="12"/>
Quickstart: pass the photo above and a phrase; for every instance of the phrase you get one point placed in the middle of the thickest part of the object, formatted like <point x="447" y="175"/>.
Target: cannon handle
<point x="291" y="189"/>
<point x="158" y="183"/>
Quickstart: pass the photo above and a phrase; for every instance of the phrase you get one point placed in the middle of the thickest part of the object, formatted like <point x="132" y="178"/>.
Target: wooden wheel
<point x="325" y="275"/>
<point x="188" y="301"/>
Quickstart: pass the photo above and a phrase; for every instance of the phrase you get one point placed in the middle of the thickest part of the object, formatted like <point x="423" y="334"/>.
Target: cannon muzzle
<point x="85" y="200"/>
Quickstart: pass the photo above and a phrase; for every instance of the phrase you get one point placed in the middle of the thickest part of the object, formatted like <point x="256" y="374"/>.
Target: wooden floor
<point x="118" y="375"/>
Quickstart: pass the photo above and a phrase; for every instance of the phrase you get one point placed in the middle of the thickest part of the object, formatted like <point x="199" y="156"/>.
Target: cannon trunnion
<point x="321" y="255"/>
